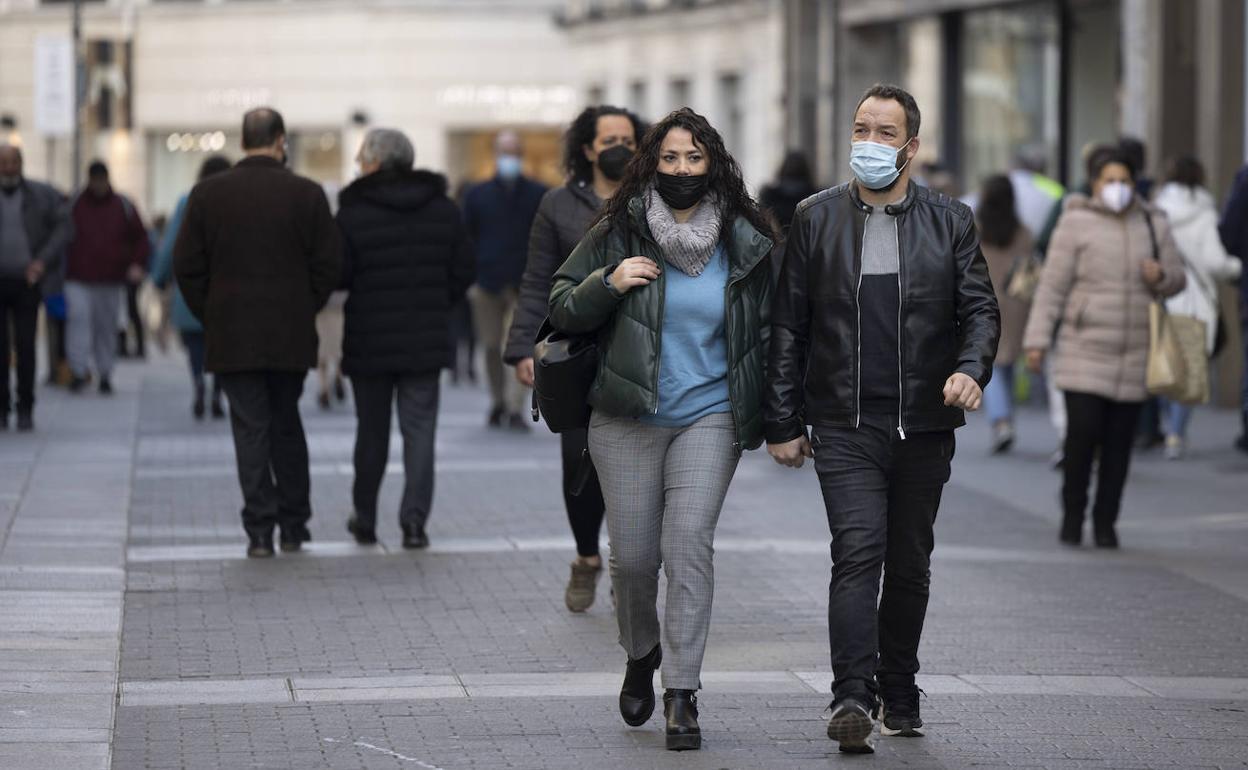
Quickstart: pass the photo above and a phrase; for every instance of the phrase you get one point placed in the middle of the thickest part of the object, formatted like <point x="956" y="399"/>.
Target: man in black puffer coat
<point x="407" y="262"/>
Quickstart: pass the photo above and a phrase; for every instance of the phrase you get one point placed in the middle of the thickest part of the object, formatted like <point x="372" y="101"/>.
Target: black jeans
<point x="136" y="322"/>
<point x="19" y="304"/>
<point x="417" y="396"/>
<point x="881" y="495"/>
<point x="585" y="509"/>
<point x="271" y="449"/>
<point x="1097" y="427"/>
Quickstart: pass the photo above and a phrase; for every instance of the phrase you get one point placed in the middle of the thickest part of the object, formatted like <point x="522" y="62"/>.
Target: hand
<point x="524" y="372"/>
<point x="34" y="272"/>
<point x="791" y="453"/>
<point x="1152" y="271"/>
<point x="135" y="275"/>
<point x="963" y="392"/>
<point x="1035" y="361"/>
<point x="634" y="272"/>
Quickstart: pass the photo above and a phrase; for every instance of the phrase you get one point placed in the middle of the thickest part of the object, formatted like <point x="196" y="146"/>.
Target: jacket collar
<point x="260" y="161"/>
<point x="584" y="191"/>
<point x="745" y="245"/>
<point x="893" y="209"/>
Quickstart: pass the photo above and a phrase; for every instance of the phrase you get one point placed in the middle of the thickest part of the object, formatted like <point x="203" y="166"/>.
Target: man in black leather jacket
<point x="884" y="331"/>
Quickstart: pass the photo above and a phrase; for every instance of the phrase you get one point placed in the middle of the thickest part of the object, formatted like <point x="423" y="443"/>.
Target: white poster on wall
<point x="54" y="85"/>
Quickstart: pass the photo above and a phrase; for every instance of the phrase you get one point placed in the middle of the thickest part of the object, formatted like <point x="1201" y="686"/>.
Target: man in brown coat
<point x="256" y="258"/>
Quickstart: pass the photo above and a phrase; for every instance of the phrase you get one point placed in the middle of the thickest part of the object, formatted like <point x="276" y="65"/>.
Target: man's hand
<point x="791" y="453"/>
<point x="135" y="275"/>
<point x="1035" y="361"/>
<point x="633" y="272"/>
<point x="524" y="372"/>
<point x="34" y="272"/>
<point x="963" y="392"/>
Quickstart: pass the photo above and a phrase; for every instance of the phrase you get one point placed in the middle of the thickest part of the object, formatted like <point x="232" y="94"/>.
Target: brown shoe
<point x="582" y="586"/>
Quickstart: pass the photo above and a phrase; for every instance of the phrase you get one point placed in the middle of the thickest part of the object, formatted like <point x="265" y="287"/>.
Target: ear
<point x="913" y="150"/>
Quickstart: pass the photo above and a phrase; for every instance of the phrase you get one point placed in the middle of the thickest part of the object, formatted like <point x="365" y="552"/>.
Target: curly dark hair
<point x="725" y="181"/>
<point x="582" y="133"/>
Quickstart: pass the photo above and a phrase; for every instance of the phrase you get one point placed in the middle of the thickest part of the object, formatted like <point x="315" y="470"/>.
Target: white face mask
<point x="1117" y="196"/>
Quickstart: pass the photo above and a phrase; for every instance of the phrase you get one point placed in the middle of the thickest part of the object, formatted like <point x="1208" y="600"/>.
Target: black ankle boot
<point x="1106" y="536"/>
<point x="681" y="709"/>
<point x="637" y="694"/>
<point x="1072" y="531"/>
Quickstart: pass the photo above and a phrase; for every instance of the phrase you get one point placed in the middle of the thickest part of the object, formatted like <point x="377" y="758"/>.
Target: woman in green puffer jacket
<point x="674" y="280"/>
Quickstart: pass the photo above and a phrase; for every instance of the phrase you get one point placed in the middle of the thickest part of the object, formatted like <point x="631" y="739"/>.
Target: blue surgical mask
<point x="875" y="164"/>
<point x="509" y="166"/>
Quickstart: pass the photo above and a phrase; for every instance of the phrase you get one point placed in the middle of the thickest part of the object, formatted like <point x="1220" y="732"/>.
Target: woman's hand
<point x="633" y="272"/>
<point x="1035" y="361"/>
<point x="1152" y="272"/>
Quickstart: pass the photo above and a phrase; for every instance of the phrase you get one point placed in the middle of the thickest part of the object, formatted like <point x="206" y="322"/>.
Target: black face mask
<point x="613" y="161"/>
<point x="681" y="192"/>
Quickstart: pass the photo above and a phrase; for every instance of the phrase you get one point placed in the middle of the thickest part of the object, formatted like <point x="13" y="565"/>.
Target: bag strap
<point x="1152" y="234"/>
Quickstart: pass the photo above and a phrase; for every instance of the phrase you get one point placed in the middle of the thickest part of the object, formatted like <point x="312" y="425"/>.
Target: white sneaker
<point x="1174" y="448"/>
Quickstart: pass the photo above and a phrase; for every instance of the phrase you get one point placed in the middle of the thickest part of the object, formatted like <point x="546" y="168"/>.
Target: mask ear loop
<point x="907" y="163"/>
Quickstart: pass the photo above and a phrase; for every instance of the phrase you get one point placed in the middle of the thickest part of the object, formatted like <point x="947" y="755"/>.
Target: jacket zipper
<point x="858" y="309"/>
<point x="901" y="300"/>
<point x="658" y="345"/>
<point x="732" y="404"/>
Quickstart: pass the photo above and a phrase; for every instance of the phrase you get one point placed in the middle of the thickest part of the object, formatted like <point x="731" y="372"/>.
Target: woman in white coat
<point x="1194" y="222"/>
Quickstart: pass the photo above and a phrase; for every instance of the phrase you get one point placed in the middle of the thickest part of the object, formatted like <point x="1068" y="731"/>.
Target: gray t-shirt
<point x="15" y="253"/>
<point x="880" y="302"/>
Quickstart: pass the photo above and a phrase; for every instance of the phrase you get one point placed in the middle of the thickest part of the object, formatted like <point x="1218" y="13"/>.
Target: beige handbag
<point x="1177" y="365"/>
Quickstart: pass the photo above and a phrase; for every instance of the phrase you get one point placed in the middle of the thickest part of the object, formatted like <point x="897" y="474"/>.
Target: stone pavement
<point x="135" y="633"/>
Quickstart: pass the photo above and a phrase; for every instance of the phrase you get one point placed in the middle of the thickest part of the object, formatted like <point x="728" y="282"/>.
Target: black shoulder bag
<point x="564" y="369"/>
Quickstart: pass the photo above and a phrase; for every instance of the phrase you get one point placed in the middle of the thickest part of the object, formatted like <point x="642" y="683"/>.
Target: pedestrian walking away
<point x="885" y="328"/>
<point x="499" y="214"/>
<point x="189" y="328"/>
<point x="35" y="228"/>
<point x="1009" y="250"/>
<point x="1194" y="219"/>
<point x="674" y="281"/>
<point x="110" y="248"/>
<point x="597" y="149"/>
<point x="256" y="257"/>
<point x="1111" y="255"/>
<point x="1234" y="231"/>
<point x="407" y="263"/>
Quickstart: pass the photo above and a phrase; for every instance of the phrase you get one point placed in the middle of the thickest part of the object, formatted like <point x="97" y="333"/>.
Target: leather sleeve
<point x="580" y="301"/>
<point x="979" y="318"/>
<point x="543" y="258"/>
<point x="784" y="393"/>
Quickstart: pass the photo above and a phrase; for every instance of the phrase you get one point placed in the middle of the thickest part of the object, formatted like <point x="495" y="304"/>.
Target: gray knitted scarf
<point x="687" y="247"/>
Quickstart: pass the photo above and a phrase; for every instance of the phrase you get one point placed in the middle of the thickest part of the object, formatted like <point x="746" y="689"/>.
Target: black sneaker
<point x="495" y="417"/>
<point x="25" y="422"/>
<point x="899" y="710"/>
<point x="76" y="383"/>
<point x="363" y="535"/>
<point x="293" y="538"/>
<point x="851" y="724"/>
<point x="106" y="386"/>
<point x="415" y="538"/>
<point x="260" y="547"/>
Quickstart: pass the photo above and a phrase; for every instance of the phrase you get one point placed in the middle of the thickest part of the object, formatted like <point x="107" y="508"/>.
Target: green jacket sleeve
<point x="580" y="301"/>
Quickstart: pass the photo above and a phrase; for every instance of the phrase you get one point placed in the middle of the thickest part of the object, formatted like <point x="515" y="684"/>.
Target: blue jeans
<point x="1175" y="417"/>
<point x="999" y="395"/>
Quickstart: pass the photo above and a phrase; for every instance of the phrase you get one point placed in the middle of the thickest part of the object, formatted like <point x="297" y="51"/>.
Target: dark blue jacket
<point x="1234" y="228"/>
<point x="499" y="217"/>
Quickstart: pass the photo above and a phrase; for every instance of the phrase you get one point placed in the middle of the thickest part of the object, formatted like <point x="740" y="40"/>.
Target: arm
<point x="325" y="260"/>
<point x="1055" y="284"/>
<point x="1212" y="258"/>
<point x="979" y="318"/>
<point x="1235" y="217"/>
<point x="1174" y="276"/>
<point x="790" y="340"/>
<point x="162" y="261"/>
<point x="60" y="224"/>
<point x="580" y="301"/>
<point x="543" y="258"/>
<point x="190" y="259"/>
<point x="141" y="244"/>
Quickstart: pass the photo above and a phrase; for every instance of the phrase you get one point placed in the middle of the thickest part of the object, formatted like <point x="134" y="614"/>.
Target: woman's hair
<point x="582" y="133"/>
<point x="1186" y="171"/>
<point x="725" y="182"/>
<point x="214" y="164"/>
<point x="997" y="217"/>
<point x="796" y="166"/>
<point x="1101" y="157"/>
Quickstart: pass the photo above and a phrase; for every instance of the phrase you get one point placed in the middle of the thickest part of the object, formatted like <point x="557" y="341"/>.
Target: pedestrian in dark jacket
<point x="794" y="183"/>
<point x="597" y="148"/>
<point x="674" y="282"/>
<point x="885" y="329"/>
<point x="499" y="214"/>
<point x="1234" y="231"/>
<point x="257" y="255"/>
<point x="110" y="248"/>
<point x="34" y="231"/>
<point x="407" y="262"/>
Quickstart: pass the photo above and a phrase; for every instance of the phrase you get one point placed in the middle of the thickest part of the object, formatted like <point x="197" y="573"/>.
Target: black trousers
<point x="1097" y="427"/>
<point x="417" y="396"/>
<point x="136" y="322"/>
<point x="19" y="315"/>
<point x="881" y="494"/>
<point x="271" y="449"/>
<point x="585" y="508"/>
